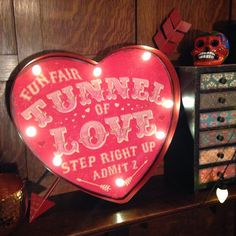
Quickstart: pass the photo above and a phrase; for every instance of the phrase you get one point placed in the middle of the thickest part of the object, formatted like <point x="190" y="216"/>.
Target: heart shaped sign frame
<point x="101" y="126"/>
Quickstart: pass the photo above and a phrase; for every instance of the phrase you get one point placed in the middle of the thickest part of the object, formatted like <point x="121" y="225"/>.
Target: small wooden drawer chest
<point x="205" y="141"/>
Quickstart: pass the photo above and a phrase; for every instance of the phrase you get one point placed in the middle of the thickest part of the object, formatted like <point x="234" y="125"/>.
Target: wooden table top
<point x="78" y="213"/>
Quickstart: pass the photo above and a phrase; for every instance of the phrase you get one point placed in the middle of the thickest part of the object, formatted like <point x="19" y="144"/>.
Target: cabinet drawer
<point x="212" y="174"/>
<point x="218" y="100"/>
<point x="217" y="137"/>
<point x="216" y="155"/>
<point x="217" y="119"/>
<point x="218" y="80"/>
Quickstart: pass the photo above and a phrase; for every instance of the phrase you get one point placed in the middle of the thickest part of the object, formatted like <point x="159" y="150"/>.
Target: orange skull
<point x="210" y="49"/>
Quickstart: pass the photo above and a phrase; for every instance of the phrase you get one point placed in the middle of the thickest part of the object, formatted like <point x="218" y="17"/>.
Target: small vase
<point x="12" y="202"/>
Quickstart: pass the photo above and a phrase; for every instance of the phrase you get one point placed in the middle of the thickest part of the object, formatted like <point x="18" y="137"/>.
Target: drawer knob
<point x="220" y="137"/>
<point x="220" y="155"/>
<point x="220" y="119"/>
<point x="222" y="80"/>
<point x="221" y="100"/>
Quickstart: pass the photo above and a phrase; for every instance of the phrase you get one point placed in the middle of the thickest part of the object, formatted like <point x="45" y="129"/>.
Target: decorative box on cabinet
<point x="205" y="139"/>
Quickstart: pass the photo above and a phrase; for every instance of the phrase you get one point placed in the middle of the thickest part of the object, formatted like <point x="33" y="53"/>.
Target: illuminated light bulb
<point x="188" y="102"/>
<point x="19" y="194"/>
<point x="119" y="218"/>
<point x="57" y="160"/>
<point x="146" y="56"/>
<point x="31" y="131"/>
<point x="97" y="71"/>
<point x="120" y="182"/>
<point x="160" y="135"/>
<point x="168" y="103"/>
<point x="36" y="70"/>
<point x="222" y="194"/>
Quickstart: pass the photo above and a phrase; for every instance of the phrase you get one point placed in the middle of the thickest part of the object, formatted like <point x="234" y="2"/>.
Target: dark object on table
<point x="12" y="202"/>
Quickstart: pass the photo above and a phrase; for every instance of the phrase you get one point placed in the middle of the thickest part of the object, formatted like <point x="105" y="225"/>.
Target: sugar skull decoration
<point x="210" y="49"/>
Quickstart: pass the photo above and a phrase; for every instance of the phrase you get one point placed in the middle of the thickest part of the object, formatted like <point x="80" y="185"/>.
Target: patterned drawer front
<point x="218" y="80"/>
<point x="217" y="119"/>
<point x="218" y="100"/>
<point x="216" y="155"/>
<point x="217" y="137"/>
<point x="211" y="174"/>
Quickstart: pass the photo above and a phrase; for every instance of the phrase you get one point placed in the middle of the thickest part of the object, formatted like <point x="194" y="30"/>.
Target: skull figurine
<point x="210" y="49"/>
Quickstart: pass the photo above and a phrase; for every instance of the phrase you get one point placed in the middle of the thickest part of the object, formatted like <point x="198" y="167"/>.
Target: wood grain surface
<point x="92" y="28"/>
<point x="85" y="27"/>
<point x="158" y="209"/>
<point x="28" y="27"/>
<point x="7" y="64"/>
<point x="7" y="29"/>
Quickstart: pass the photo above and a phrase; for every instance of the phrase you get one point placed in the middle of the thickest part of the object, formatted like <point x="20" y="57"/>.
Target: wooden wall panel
<point x="7" y="65"/>
<point x="87" y="27"/>
<point x="28" y="27"/>
<point x="204" y="15"/>
<point x="7" y="30"/>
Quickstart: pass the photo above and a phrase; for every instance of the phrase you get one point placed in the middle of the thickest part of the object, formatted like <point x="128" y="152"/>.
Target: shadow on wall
<point x="230" y="33"/>
<point x="225" y="28"/>
<point x="186" y="46"/>
<point x="105" y="52"/>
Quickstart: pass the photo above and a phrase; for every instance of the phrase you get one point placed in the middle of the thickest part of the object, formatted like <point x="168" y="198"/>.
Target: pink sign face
<point x="102" y="126"/>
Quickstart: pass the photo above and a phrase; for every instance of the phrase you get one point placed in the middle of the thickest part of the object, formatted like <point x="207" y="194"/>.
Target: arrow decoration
<point x="171" y="33"/>
<point x="39" y="205"/>
<point x="105" y="187"/>
<point x="128" y="180"/>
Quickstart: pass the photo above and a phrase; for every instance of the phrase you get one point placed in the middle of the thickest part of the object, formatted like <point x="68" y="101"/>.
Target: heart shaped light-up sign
<point x="102" y="126"/>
